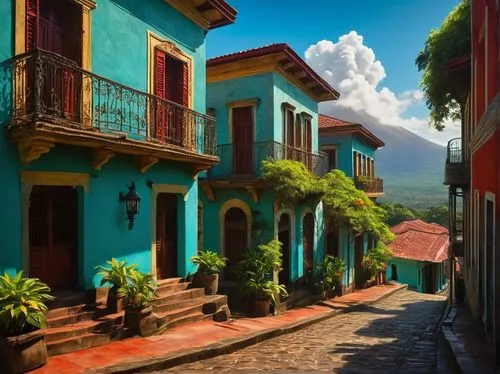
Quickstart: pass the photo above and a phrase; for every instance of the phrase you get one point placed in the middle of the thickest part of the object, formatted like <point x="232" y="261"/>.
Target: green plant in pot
<point x="117" y="275"/>
<point x="255" y="273"/>
<point x="331" y="271"/>
<point x="22" y="320"/>
<point x="139" y="292"/>
<point x="375" y="262"/>
<point x="210" y="264"/>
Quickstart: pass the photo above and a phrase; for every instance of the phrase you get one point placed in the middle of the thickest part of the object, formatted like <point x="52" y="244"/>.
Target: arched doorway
<point x="308" y="242"/>
<point x="285" y="237"/>
<point x="235" y="239"/>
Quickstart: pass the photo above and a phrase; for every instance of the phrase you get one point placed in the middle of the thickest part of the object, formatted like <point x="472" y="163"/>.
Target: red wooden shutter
<point x="185" y="85"/>
<point x="243" y="140"/>
<point x="161" y="113"/>
<point x="32" y="13"/>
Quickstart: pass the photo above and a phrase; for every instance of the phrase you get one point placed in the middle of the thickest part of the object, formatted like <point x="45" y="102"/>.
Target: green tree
<point x="445" y="95"/>
<point x="437" y="214"/>
<point x="397" y="213"/>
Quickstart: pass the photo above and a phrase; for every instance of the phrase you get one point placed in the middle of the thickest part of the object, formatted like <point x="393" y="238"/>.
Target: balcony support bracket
<point x="32" y="149"/>
<point x="254" y="193"/>
<point x="209" y="192"/>
<point x="198" y="169"/>
<point x="145" y="162"/>
<point x="101" y="157"/>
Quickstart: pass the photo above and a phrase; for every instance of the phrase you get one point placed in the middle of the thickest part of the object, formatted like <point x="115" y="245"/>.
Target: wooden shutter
<point x="242" y="123"/>
<point x="185" y="84"/>
<point x="161" y="113"/>
<point x="32" y="14"/>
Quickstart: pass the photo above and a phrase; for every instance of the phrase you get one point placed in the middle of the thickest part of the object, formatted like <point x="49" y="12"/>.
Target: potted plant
<point x="331" y="271"/>
<point x="256" y="276"/>
<point x="375" y="261"/>
<point x="22" y="320"/>
<point x="117" y="275"/>
<point x="139" y="292"/>
<point x="210" y="264"/>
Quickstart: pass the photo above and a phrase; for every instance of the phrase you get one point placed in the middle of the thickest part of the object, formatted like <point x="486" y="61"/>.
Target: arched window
<point x="235" y="239"/>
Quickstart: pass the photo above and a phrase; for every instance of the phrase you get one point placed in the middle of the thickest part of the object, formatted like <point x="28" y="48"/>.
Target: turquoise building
<point x="103" y="101"/>
<point x="265" y="101"/>
<point x="420" y="253"/>
<point x="351" y="148"/>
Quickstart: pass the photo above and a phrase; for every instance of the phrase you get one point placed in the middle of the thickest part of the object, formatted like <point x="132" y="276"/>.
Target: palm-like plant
<point x="332" y="269"/>
<point x="209" y="262"/>
<point x="117" y="274"/>
<point x="376" y="260"/>
<point x="139" y="290"/>
<point x="22" y="304"/>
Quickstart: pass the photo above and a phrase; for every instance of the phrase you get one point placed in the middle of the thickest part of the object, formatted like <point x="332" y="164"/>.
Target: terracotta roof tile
<point x="421" y="241"/>
<point x="325" y="121"/>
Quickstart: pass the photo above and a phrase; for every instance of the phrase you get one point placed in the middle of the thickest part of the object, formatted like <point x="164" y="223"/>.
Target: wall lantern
<point x="132" y="202"/>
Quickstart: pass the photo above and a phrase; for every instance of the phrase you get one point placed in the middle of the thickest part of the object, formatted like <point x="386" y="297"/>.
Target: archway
<point x="235" y="239"/>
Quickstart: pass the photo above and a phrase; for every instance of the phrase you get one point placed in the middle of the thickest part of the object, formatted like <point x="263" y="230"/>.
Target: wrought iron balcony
<point x="370" y="185"/>
<point x="456" y="172"/>
<point x="245" y="162"/>
<point x="42" y="88"/>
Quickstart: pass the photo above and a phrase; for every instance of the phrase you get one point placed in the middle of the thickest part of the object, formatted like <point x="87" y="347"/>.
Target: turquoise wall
<point x="238" y="89"/>
<point x="408" y="272"/>
<point x="285" y="91"/>
<point x="346" y="144"/>
<point x="119" y="53"/>
<point x="119" y="42"/>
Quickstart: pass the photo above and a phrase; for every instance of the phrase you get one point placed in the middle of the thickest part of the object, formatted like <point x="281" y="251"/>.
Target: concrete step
<point x="167" y="317"/>
<point x="187" y="318"/>
<point x="166" y="281"/>
<point x="70" y="310"/>
<point x="69" y="318"/>
<point x="84" y="341"/>
<point x="192" y="293"/>
<point x="167" y="289"/>
<point x="173" y="305"/>
<point x="103" y="325"/>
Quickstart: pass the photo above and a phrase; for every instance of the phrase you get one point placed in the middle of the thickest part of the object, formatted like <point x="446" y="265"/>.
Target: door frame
<point x="291" y="215"/>
<point x="157" y="189"/>
<point x="28" y="179"/>
<point x="305" y="212"/>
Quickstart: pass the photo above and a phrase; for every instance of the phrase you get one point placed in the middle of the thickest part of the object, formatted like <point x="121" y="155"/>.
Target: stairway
<point x="73" y="324"/>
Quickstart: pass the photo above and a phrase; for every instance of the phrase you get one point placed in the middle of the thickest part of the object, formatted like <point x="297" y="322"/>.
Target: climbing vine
<point x="343" y="203"/>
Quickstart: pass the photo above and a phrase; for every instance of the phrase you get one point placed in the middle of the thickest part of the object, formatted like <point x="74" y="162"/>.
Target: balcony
<point x="245" y="164"/>
<point x="372" y="186"/>
<point x="456" y="172"/>
<point x="50" y="100"/>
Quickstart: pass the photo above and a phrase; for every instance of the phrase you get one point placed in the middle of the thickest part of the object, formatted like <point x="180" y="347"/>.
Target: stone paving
<point x="396" y="334"/>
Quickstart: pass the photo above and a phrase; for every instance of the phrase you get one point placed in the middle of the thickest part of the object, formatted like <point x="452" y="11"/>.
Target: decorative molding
<point x="289" y="106"/>
<point x="86" y="4"/>
<point x="145" y="162"/>
<point x="53" y="178"/>
<point x="101" y="157"/>
<point x="209" y="192"/>
<point x="254" y="193"/>
<point x="30" y="150"/>
<point x="243" y="103"/>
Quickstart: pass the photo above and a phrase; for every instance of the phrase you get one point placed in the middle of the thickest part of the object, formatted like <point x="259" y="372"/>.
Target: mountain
<point x="411" y="166"/>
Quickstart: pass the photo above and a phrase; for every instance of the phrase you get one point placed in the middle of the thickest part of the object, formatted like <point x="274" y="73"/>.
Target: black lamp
<point x="132" y="202"/>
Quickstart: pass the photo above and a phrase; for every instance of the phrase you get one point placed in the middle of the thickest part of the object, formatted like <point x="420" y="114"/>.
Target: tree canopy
<point x="397" y="213"/>
<point x="342" y="202"/>
<point x="445" y="96"/>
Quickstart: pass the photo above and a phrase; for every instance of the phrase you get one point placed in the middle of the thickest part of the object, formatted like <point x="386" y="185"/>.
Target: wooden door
<point x="53" y="236"/>
<point x="284" y="236"/>
<point x="243" y="140"/>
<point x="308" y="242"/>
<point x="166" y="235"/>
<point x="359" y="276"/>
<point x="235" y="239"/>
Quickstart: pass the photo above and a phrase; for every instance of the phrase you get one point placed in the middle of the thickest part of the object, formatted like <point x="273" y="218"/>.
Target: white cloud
<point x="351" y="67"/>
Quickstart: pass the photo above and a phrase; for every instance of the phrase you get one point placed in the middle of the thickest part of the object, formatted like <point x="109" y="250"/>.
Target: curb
<point x="231" y="345"/>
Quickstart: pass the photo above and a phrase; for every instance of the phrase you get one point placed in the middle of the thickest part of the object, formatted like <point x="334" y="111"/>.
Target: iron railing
<point x="46" y="87"/>
<point x="369" y="184"/>
<point x="245" y="161"/>
<point x="454" y="153"/>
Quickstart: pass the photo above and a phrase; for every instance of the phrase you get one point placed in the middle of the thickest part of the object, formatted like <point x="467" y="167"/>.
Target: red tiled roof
<point x="421" y="241"/>
<point x="290" y="56"/>
<point x="325" y="121"/>
<point x="333" y="126"/>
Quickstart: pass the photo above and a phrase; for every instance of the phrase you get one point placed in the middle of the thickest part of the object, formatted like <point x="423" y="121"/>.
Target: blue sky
<point x="396" y="30"/>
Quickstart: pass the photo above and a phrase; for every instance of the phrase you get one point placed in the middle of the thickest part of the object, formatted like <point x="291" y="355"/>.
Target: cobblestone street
<point x="396" y="334"/>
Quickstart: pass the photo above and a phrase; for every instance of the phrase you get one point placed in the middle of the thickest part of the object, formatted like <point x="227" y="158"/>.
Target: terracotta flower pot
<point x="19" y="354"/>
<point x="115" y="303"/>
<point x="210" y="282"/>
<point x="261" y="307"/>
<point x="142" y="321"/>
